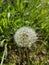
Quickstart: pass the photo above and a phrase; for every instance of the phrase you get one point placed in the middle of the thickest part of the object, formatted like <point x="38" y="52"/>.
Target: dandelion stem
<point x="27" y="56"/>
<point x="20" y="55"/>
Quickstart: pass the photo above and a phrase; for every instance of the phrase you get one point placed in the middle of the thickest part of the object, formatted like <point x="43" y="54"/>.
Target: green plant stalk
<point x="4" y="54"/>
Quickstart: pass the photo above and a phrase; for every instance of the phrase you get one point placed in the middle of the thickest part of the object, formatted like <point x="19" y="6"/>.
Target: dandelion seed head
<point x="25" y="36"/>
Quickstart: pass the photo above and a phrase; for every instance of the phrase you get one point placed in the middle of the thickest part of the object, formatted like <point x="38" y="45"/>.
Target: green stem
<point x="4" y="54"/>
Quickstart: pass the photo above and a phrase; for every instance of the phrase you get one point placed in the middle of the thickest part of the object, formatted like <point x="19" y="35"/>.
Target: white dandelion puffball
<point x="25" y="36"/>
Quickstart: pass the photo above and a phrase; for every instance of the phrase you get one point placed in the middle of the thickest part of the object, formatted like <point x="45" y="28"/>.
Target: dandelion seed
<point x="25" y="36"/>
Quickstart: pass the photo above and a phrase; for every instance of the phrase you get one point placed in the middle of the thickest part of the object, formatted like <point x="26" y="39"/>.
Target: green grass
<point x="31" y="13"/>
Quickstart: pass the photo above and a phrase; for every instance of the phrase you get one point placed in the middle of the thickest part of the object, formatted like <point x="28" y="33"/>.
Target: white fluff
<point x="25" y="36"/>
